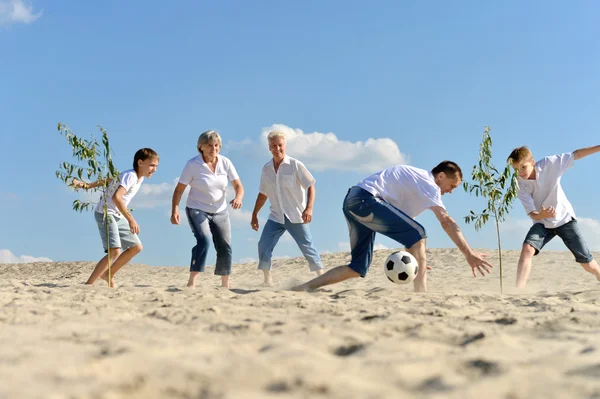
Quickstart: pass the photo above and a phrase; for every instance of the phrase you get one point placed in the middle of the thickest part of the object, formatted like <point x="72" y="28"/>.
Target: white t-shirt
<point x="130" y="182"/>
<point x="286" y="189"/>
<point x="207" y="188"/>
<point x="546" y="190"/>
<point x="410" y="189"/>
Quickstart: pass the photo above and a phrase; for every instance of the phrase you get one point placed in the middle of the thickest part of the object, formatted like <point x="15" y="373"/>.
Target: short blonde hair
<point x="276" y="134"/>
<point x="519" y="155"/>
<point x="208" y="137"/>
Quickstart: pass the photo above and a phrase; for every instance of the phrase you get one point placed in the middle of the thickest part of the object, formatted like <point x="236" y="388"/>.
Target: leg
<point x="272" y="232"/>
<point x="199" y="224"/>
<point x="121" y="261"/>
<point x="524" y="267"/>
<point x="132" y="245"/>
<point x="332" y="276"/>
<point x="102" y="266"/>
<point x="418" y="251"/>
<point x="220" y="228"/>
<point x="573" y="239"/>
<point x="361" y="244"/>
<point x="537" y="237"/>
<point x="301" y="234"/>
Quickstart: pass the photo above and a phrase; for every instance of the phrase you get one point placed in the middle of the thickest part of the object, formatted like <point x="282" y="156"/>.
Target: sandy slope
<point x="152" y="338"/>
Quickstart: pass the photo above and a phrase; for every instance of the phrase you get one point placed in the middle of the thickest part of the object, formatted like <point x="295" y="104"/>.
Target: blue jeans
<point x="204" y="225"/>
<point x="299" y="232"/>
<point x="367" y="215"/>
<point x="539" y="235"/>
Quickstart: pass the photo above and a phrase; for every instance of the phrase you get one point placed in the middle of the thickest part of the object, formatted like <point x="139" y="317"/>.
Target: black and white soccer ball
<point x="401" y="267"/>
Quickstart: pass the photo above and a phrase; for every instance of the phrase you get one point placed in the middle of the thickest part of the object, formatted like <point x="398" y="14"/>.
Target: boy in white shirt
<point x="122" y="241"/>
<point x="387" y="202"/>
<point x="547" y="205"/>
<point x="290" y="188"/>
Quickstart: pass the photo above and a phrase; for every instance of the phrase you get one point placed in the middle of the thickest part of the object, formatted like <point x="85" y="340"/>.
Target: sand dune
<point x="368" y="338"/>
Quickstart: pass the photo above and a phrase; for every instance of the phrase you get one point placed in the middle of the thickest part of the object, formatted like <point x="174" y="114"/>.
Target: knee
<point x="138" y="248"/>
<point x="114" y="252"/>
<point x="528" y="249"/>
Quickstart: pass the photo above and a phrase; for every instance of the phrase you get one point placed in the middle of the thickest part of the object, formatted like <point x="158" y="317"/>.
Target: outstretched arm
<point x="260" y="202"/>
<point x="451" y="228"/>
<point x="584" y="152"/>
<point x="85" y="185"/>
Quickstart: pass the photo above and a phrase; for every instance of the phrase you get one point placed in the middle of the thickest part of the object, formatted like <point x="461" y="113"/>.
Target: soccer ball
<point x="401" y="267"/>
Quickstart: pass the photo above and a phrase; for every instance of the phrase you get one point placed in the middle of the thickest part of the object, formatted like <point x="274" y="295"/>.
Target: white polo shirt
<point x="546" y="190"/>
<point x="130" y="182"/>
<point x="207" y="188"/>
<point x="286" y="189"/>
<point x="410" y="189"/>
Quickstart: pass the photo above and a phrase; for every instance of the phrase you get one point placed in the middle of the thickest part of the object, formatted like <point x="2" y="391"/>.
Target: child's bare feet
<point x="110" y="283"/>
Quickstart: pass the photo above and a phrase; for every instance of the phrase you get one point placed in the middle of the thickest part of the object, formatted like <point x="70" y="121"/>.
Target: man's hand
<point x="476" y="261"/>
<point x="236" y="203"/>
<point x="175" y="218"/>
<point x="254" y="222"/>
<point x="307" y="215"/>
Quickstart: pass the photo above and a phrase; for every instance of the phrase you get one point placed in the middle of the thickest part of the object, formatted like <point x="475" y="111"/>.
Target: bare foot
<point x="110" y="283"/>
<point x="420" y="287"/>
<point x="266" y="284"/>
<point x="301" y="287"/>
<point x="319" y="272"/>
<point x="192" y="280"/>
<point x="225" y="282"/>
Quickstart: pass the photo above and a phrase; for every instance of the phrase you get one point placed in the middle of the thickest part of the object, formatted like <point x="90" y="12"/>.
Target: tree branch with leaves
<point x="498" y="188"/>
<point x="93" y="161"/>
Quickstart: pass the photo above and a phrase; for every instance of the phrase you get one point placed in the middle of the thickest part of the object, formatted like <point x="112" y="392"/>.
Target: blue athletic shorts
<point x="367" y="215"/>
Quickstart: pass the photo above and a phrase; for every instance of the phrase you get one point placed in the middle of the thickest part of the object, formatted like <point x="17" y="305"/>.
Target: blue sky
<point x="361" y="86"/>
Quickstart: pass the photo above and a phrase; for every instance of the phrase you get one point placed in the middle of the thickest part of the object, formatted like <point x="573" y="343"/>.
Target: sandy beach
<point x="367" y="338"/>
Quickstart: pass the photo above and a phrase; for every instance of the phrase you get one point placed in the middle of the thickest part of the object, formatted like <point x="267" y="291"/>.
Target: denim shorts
<point x="367" y="215"/>
<point x="539" y="235"/>
<point x="118" y="230"/>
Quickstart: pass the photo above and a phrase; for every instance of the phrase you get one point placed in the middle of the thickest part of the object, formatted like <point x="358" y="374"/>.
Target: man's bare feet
<point x="301" y="287"/>
<point x="420" y="287"/>
<point x="319" y="272"/>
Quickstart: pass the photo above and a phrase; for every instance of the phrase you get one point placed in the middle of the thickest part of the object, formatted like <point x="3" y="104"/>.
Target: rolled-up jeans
<point x="205" y="224"/>
<point x="299" y="232"/>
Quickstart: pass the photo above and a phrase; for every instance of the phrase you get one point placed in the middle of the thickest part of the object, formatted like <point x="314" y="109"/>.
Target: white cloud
<point x="7" y="256"/>
<point x="324" y="151"/>
<point x="16" y="11"/>
<point x="379" y="246"/>
<point x="248" y="259"/>
<point x="590" y="229"/>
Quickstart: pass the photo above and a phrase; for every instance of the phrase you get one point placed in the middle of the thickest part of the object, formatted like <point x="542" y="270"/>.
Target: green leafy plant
<point x="93" y="161"/>
<point x="499" y="189"/>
